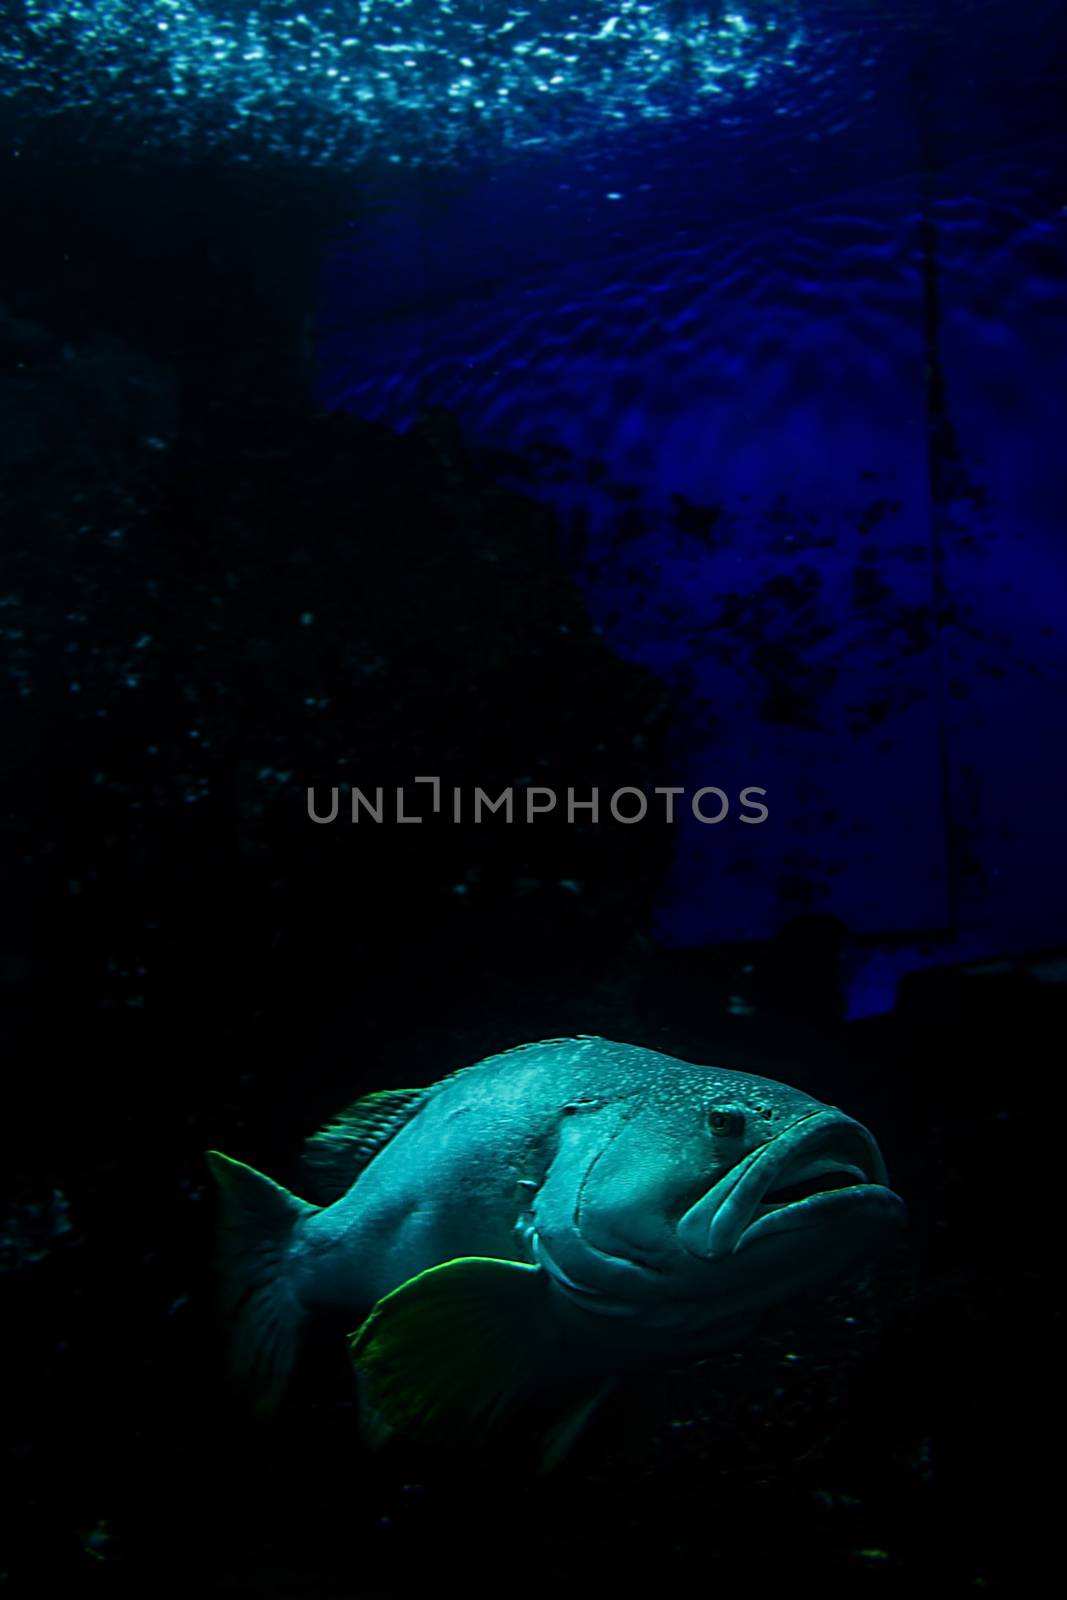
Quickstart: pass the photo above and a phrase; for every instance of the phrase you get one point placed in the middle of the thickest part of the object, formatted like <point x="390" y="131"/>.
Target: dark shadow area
<point x="215" y="597"/>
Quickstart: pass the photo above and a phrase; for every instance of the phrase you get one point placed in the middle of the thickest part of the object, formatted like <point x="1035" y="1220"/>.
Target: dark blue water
<point x="650" y="394"/>
<point x="765" y="302"/>
<point x="787" y="368"/>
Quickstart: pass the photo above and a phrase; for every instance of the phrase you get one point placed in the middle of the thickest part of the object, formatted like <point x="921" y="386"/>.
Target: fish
<point x="545" y="1222"/>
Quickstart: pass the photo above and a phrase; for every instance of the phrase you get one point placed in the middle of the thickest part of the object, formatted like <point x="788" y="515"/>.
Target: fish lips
<point x="831" y="1160"/>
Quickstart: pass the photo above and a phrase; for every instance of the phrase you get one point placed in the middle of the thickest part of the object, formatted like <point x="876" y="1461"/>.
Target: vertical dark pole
<point x="942" y="448"/>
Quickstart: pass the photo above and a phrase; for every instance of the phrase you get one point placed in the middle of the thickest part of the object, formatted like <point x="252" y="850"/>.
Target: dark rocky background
<point x="186" y="962"/>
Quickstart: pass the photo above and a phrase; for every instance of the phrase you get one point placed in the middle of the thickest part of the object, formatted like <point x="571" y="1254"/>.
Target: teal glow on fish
<point x="551" y="1217"/>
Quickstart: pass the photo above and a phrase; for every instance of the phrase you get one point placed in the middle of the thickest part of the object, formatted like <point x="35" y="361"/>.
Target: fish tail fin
<point x="255" y="1293"/>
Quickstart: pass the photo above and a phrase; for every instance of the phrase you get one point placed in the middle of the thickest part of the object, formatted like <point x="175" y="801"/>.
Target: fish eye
<point x="766" y="1113"/>
<point x="724" y="1122"/>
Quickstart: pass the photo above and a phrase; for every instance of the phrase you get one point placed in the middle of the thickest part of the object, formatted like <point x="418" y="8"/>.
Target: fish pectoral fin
<point x="449" y="1352"/>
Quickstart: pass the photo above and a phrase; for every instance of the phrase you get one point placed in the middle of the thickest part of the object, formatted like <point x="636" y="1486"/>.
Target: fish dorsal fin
<point x="334" y="1157"/>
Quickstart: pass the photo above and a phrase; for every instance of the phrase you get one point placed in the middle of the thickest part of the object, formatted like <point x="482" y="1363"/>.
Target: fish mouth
<point x="824" y="1164"/>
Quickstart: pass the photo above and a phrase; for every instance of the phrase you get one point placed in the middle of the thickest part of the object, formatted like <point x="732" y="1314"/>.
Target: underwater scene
<point x="533" y="642"/>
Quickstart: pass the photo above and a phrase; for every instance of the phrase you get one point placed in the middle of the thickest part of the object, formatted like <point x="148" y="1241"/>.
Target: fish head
<point x="709" y="1198"/>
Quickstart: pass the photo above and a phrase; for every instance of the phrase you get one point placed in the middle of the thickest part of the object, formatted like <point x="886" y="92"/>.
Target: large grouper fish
<point x="540" y="1224"/>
